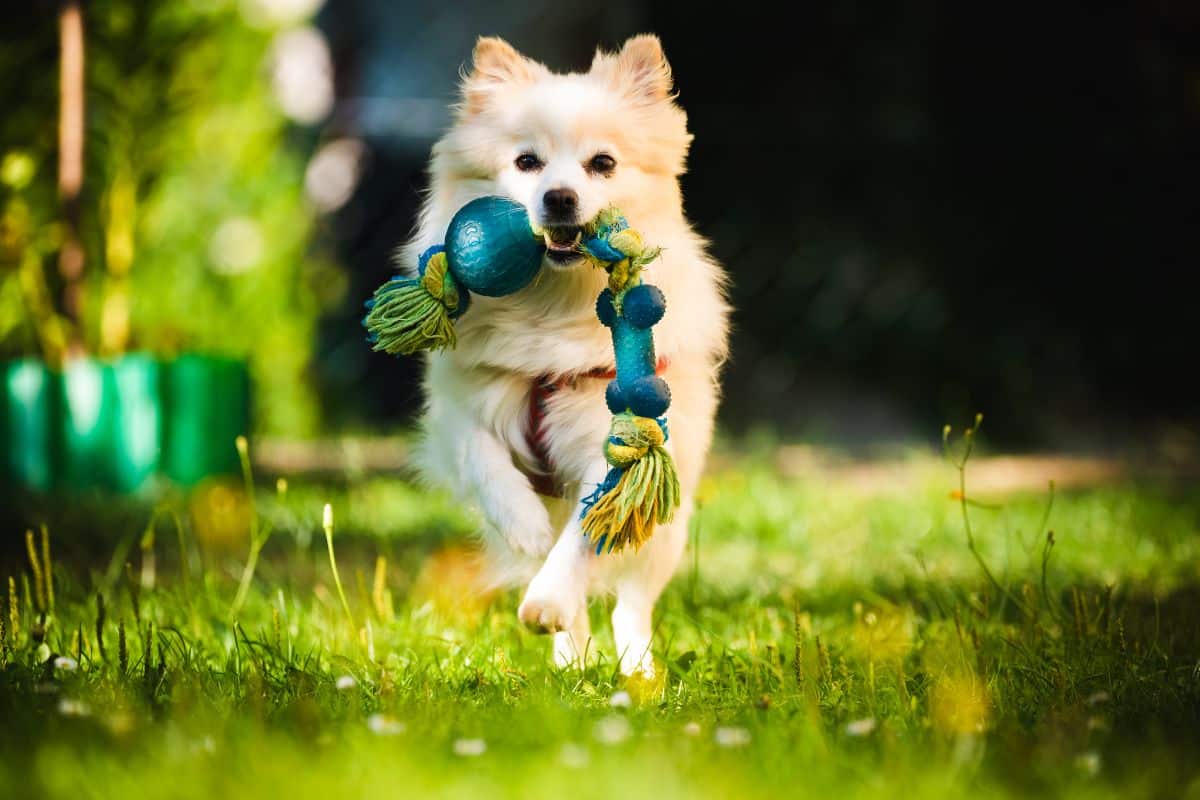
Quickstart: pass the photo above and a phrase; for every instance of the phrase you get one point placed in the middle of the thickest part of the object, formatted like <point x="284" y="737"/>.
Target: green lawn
<point x="824" y="638"/>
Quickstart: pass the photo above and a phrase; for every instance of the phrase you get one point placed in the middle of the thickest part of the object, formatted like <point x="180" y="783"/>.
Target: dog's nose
<point x="561" y="203"/>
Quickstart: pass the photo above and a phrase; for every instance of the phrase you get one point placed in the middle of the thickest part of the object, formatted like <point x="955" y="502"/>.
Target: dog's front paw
<point x="547" y="608"/>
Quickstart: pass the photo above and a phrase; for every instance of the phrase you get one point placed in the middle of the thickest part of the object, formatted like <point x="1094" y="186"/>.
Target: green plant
<point x="194" y="230"/>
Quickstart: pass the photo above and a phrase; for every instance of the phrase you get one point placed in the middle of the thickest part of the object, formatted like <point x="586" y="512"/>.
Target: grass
<point x="822" y="639"/>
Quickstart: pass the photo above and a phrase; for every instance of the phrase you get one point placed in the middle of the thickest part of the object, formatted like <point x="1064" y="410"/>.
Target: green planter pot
<point x="207" y="404"/>
<point x="117" y="425"/>
<point x="137" y="441"/>
<point x="28" y="415"/>
<point x="112" y="423"/>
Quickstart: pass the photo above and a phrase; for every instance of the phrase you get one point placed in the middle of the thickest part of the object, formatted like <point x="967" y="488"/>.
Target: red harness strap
<point x="543" y="476"/>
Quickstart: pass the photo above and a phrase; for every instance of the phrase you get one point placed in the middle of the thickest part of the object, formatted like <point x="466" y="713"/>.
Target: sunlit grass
<point x="824" y="637"/>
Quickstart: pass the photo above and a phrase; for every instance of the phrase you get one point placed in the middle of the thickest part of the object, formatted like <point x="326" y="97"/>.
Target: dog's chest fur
<point x="509" y="348"/>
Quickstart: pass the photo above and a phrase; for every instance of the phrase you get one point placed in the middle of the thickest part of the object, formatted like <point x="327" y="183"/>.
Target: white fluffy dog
<point x="566" y="147"/>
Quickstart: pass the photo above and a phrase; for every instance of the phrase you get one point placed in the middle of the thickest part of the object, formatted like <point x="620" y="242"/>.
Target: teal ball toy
<point x="492" y="248"/>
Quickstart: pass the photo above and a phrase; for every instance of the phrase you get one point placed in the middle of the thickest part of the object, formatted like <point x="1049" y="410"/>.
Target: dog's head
<point x="569" y="146"/>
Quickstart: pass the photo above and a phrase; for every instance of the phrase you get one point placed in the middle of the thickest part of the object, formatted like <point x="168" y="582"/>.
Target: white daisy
<point x="731" y="737"/>
<point x="469" y="748"/>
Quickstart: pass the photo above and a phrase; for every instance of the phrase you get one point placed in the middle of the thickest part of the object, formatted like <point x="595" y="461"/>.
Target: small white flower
<point x="732" y="737"/>
<point x="469" y="748"/>
<point x="620" y="699"/>
<point x="860" y="727"/>
<point x="573" y="756"/>
<point x="73" y="708"/>
<point x="692" y="729"/>
<point x="345" y="683"/>
<point x="613" y="730"/>
<point x="383" y="725"/>
<point x="66" y="664"/>
<point x="1096" y="698"/>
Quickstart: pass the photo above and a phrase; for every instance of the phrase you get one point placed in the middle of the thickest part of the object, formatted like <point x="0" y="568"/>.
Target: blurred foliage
<point x="194" y="222"/>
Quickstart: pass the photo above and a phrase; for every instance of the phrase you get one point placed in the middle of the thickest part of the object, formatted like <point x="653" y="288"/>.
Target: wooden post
<point x="70" y="153"/>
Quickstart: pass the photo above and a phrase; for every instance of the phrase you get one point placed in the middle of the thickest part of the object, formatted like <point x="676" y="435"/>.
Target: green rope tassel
<point x="641" y="490"/>
<point x="411" y="314"/>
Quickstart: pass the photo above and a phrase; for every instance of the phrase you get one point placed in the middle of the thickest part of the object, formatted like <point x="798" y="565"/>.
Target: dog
<point x="515" y="417"/>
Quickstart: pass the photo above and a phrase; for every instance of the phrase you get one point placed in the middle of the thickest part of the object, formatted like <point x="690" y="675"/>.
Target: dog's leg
<point x="572" y="646"/>
<point x="463" y="455"/>
<point x="557" y="595"/>
<point x="504" y="494"/>
<point x="469" y="451"/>
<point x="556" y="599"/>
<point x="638" y="590"/>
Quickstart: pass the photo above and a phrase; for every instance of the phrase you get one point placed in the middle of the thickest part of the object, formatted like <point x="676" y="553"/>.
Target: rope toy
<point x="493" y="249"/>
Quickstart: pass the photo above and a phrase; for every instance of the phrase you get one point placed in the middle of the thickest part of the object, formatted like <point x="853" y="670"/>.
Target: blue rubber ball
<point x="649" y="396"/>
<point x="491" y="247"/>
<point x="644" y="306"/>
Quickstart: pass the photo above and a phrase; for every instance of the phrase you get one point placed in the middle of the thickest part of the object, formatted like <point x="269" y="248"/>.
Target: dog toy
<point x="493" y="249"/>
<point x="490" y="249"/>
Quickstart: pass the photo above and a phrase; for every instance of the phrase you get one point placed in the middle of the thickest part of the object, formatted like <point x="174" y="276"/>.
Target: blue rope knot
<point x="597" y="245"/>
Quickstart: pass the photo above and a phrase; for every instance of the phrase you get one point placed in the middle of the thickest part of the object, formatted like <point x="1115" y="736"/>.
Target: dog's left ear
<point x="640" y="70"/>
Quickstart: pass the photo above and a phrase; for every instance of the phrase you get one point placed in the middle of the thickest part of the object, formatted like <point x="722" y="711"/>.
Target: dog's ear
<point x="494" y="63"/>
<point x="640" y="70"/>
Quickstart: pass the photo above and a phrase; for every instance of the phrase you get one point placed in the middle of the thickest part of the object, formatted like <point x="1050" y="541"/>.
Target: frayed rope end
<point x="640" y="491"/>
<point x="407" y="315"/>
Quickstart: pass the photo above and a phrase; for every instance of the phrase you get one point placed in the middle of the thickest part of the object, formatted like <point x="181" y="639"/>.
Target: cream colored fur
<point x="478" y="394"/>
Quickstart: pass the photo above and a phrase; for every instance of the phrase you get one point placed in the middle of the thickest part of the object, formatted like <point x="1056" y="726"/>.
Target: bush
<point x="193" y="222"/>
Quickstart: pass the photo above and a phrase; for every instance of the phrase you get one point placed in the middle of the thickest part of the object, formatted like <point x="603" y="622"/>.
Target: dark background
<point x="928" y="209"/>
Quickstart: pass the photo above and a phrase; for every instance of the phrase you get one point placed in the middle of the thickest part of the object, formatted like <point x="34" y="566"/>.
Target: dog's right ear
<point x="640" y="70"/>
<point x="494" y="64"/>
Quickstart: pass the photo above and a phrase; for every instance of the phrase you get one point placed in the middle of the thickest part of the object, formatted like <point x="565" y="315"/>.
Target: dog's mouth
<point x="562" y="242"/>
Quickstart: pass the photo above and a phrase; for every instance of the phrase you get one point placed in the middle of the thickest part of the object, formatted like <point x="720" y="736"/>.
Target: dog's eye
<point x="528" y="162"/>
<point x="602" y="164"/>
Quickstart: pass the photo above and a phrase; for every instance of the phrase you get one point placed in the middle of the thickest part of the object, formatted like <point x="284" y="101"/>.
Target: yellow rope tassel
<point x="645" y="494"/>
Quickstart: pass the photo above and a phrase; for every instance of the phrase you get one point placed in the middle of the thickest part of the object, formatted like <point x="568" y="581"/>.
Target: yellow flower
<point x="959" y="704"/>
